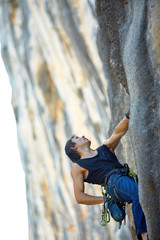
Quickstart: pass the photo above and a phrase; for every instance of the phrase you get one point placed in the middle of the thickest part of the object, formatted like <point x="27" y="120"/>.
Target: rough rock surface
<point x="130" y="50"/>
<point x="49" y="50"/>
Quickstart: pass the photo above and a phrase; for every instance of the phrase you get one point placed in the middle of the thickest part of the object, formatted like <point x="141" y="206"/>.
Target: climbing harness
<point x="113" y="208"/>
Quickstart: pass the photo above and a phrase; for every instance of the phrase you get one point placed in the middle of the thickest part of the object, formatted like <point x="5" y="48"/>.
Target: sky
<point x="13" y="207"/>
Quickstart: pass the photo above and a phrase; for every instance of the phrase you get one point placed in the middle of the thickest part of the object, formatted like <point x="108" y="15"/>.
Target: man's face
<point x="80" y="141"/>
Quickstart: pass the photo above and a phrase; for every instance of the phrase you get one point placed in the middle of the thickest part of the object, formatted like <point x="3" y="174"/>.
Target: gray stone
<point x="130" y="45"/>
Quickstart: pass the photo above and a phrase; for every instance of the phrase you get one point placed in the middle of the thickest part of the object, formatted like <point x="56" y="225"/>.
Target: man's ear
<point x="74" y="147"/>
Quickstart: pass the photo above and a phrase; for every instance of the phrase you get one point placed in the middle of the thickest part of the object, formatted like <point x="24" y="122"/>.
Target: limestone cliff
<point x="130" y="48"/>
<point x="50" y="52"/>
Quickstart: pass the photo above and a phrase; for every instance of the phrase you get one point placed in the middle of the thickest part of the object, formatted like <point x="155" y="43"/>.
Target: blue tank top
<point x="100" y="165"/>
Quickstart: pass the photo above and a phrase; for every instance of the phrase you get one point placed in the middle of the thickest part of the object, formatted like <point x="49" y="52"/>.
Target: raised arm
<point x="119" y="131"/>
<point x="78" y="181"/>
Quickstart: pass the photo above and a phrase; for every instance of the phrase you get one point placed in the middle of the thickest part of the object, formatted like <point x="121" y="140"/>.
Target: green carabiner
<point x="105" y="217"/>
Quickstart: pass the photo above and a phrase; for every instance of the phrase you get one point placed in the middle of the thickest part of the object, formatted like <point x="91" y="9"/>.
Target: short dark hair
<point x="71" y="153"/>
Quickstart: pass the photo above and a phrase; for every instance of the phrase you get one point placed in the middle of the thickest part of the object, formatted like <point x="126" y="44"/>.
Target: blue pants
<point x="127" y="190"/>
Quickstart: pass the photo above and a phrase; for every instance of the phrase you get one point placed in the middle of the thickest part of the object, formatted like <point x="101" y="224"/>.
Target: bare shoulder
<point x="76" y="170"/>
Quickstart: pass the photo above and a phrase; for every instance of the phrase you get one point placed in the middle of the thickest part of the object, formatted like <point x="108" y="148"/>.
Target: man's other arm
<point x="78" y="181"/>
<point x="119" y="131"/>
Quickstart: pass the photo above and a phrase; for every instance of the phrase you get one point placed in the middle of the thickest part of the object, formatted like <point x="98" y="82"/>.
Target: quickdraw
<point x="105" y="214"/>
<point x="133" y="174"/>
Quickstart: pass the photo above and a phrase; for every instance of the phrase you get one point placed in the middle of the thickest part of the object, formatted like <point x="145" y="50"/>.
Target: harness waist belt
<point x="121" y="170"/>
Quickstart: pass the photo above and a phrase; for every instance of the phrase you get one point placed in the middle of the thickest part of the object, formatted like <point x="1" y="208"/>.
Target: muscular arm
<point x="78" y="181"/>
<point x="120" y="130"/>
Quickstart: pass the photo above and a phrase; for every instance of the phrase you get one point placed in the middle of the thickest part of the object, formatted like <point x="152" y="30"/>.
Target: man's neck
<point x="88" y="153"/>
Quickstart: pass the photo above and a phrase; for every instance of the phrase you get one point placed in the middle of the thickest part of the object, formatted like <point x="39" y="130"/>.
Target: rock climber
<point x="92" y="166"/>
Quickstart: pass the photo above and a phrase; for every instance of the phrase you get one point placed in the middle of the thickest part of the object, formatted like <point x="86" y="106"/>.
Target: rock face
<point x="130" y="50"/>
<point x="50" y="52"/>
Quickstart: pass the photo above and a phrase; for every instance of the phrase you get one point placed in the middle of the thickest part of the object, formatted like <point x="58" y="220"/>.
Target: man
<point x="92" y="166"/>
